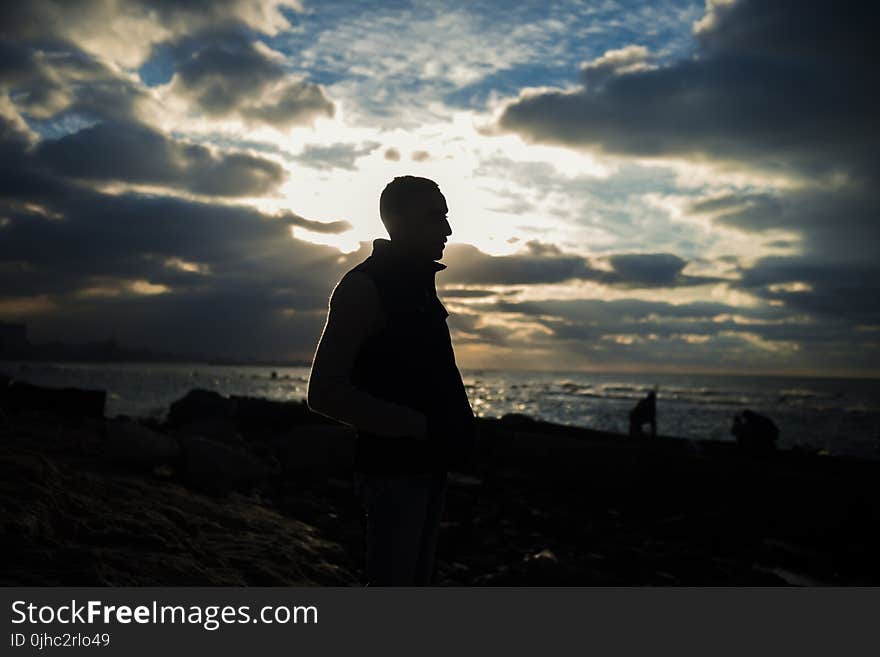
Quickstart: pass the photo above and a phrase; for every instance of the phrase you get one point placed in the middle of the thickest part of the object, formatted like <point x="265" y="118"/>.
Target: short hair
<point x="400" y="195"/>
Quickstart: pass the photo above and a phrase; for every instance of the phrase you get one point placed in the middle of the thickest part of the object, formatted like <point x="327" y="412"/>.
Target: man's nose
<point x="447" y="229"/>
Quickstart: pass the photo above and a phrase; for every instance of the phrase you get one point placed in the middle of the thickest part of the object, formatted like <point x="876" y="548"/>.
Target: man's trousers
<point x="403" y="515"/>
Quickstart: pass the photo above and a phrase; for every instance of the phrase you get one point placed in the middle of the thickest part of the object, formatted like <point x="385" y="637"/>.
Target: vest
<point x="410" y="361"/>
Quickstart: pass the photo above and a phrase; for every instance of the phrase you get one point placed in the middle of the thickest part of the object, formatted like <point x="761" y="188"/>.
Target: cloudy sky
<point x="675" y="185"/>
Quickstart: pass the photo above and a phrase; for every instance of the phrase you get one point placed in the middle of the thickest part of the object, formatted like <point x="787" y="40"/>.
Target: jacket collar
<point x="387" y="250"/>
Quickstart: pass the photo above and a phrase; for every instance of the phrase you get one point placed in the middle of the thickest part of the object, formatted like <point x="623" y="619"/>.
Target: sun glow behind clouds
<point x="451" y="153"/>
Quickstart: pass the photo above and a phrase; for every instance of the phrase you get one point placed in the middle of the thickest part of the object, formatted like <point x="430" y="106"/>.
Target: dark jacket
<point x="411" y="362"/>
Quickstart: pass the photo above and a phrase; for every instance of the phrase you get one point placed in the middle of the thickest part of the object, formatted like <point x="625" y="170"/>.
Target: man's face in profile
<point x="424" y="230"/>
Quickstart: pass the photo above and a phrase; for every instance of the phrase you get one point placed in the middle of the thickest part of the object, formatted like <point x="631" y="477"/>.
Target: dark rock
<point x="221" y="430"/>
<point x="756" y="434"/>
<point x="163" y="471"/>
<point x="517" y="421"/>
<point x="208" y="413"/>
<point x="198" y="405"/>
<point x="70" y="402"/>
<point x="542" y="568"/>
<point x="131" y="444"/>
<point x="219" y="468"/>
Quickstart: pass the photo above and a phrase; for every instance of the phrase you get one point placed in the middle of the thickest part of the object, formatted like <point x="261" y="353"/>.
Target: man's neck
<point x="407" y="257"/>
<point x="403" y="251"/>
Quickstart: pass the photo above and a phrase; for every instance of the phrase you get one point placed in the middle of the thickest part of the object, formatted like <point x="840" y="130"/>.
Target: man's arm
<point x="354" y="311"/>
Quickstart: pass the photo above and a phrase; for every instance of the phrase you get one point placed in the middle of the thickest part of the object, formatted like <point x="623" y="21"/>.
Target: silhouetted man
<point x="385" y="365"/>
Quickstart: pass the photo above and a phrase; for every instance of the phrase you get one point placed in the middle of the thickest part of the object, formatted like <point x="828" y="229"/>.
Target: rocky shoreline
<point x="245" y="491"/>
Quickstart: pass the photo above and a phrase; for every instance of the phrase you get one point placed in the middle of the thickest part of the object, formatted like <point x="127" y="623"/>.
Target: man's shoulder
<point x="356" y="279"/>
<point x="355" y="288"/>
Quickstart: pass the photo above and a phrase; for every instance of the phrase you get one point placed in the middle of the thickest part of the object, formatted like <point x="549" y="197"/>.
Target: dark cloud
<point x="841" y="290"/>
<point x="158" y="271"/>
<point x="335" y="156"/>
<point x="154" y="270"/>
<point x="746" y="211"/>
<point x="293" y="102"/>
<point x="774" y="83"/>
<point x="36" y="17"/>
<point x="618" y="312"/>
<point x="538" y="248"/>
<point x="542" y="263"/>
<point x="132" y="153"/>
<point x="650" y="269"/>
<point x="58" y="60"/>
<point x="835" y="223"/>
<point x="126" y="30"/>
<point x="615" y="63"/>
<point x="48" y="78"/>
<point x="133" y="236"/>
<point x="236" y="282"/>
<point x="467" y="264"/>
<point x="780" y="87"/>
<point x="293" y="219"/>
<point x="474" y="293"/>
<point x="234" y="77"/>
<point x="236" y="321"/>
<point x="392" y="154"/>
<point x="703" y="335"/>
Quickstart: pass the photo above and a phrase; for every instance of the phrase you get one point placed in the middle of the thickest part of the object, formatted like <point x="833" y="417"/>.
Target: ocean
<point x="841" y="416"/>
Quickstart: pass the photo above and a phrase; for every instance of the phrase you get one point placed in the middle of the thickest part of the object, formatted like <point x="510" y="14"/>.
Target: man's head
<point x="414" y="213"/>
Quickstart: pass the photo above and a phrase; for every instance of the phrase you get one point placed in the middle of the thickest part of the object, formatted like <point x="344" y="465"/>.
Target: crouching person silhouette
<point x="386" y="366"/>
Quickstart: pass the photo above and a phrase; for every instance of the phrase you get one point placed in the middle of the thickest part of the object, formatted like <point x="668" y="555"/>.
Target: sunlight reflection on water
<point x="841" y="415"/>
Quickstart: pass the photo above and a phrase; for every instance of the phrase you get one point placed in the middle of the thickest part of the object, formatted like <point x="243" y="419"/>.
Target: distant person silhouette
<point x="645" y="412"/>
<point x="756" y="434"/>
<point x="386" y="366"/>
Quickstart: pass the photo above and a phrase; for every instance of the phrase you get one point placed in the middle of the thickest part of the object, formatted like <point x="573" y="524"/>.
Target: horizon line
<point x="870" y="376"/>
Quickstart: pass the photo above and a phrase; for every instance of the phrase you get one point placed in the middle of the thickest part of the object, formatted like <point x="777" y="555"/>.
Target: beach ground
<point x="238" y="501"/>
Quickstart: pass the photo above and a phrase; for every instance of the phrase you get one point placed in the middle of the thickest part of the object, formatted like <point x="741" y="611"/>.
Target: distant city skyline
<point x="633" y="186"/>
